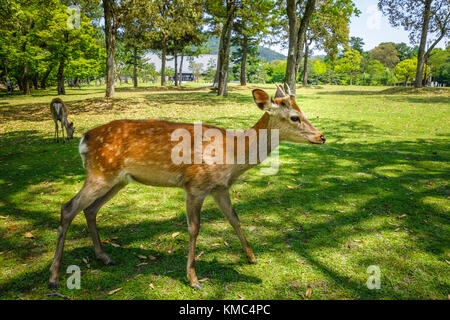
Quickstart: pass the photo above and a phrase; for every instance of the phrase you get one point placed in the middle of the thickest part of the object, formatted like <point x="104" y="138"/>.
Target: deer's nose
<point x="323" y="138"/>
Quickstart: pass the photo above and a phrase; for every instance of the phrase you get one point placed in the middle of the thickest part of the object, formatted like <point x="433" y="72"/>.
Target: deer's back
<point x="142" y="150"/>
<point x="58" y="109"/>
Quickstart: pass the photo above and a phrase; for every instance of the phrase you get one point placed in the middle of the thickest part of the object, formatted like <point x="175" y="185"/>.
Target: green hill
<point x="265" y="53"/>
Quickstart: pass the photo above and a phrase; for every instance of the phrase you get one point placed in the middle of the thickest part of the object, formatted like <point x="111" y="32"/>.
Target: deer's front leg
<point x="55" y="137"/>
<point x="222" y="198"/>
<point x="63" y="125"/>
<point x="193" y="208"/>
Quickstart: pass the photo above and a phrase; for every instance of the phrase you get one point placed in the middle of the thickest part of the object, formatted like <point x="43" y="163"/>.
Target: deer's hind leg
<point x="90" y="214"/>
<point x="193" y="208"/>
<point x="92" y="190"/>
<point x="222" y="198"/>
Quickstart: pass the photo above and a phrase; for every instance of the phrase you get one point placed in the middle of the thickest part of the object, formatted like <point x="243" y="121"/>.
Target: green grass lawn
<point x="375" y="194"/>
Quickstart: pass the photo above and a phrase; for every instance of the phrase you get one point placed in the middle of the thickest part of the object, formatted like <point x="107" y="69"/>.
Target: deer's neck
<point x="262" y="140"/>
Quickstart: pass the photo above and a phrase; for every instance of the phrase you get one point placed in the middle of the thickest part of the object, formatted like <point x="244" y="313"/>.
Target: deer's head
<point x="70" y="130"/>
<point x="286" y="116"/>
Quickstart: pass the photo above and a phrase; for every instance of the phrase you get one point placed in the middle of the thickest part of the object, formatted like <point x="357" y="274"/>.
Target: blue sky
<point x="372" y="27"/>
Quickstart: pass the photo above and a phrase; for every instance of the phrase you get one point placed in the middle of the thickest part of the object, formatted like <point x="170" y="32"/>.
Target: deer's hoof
<point x="53" y="285"/>
<point x="111" y="262"/>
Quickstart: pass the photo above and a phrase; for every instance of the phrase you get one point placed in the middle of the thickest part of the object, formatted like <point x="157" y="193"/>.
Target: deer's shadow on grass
<point x="386" y="197"/>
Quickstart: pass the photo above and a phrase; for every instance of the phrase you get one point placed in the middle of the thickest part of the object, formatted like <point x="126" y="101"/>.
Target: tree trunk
<point x="290" y="77"/>
<point x="305" y="64"/>
<point x="296" y="39"/>
<point x="423" y="42"/>
<point x="163" y="63"/>
<point x="110" y="44"/>
<point x="244" y="61"/>
<point x="224" y="54"/>
<point x="135" y="80"/>
<point x="45" y="77"/>
<point x="176" y="68"/>
<point x="26" y="80"/>
<point x="180" y="74"/>
<point x="60" y="77"/>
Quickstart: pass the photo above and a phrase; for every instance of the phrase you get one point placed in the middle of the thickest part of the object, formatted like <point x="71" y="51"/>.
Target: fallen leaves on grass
<point x="12" y="227"/>
<point x="203" y="280"/>
<point x="28" y="235"/>
<point x="252" y="228"/>
<point x="175" y="234"/>
<point x="114" y="291"/>
<point x="142" y="264"/>
<point x="308" y="292"/>
<point x="151" y="286"/>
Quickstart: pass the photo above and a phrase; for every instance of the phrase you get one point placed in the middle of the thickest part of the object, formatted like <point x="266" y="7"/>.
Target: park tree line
<point x="65" y="42"/>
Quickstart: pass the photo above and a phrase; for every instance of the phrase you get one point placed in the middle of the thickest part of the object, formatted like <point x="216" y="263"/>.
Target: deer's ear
<point x="262" y="99"/>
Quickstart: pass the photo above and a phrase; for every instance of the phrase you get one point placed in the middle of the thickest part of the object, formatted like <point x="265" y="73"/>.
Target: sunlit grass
<point x="375" y="194"/>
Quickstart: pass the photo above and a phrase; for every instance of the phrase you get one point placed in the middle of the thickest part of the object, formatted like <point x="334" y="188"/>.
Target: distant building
<point x="202" y="61"/>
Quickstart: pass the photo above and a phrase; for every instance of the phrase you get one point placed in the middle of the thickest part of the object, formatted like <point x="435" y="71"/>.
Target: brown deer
<point x="123" y="151"/>
<point x="60" y="113"/>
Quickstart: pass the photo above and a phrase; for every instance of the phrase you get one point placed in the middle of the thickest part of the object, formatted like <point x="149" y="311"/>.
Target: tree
<point x="320" y="68"/>
<point x="405" y="51"/>
<point x="70" y="46"/>
<point x="421" y="19"/>
<point x="375" y="70"/>
<point x="406" y="69"/>
<point x="223" y="20"/>
<point x="299" y="15"/>
<point x="357" y="43"/>
<point x="196" y="68"/>
<point x="328" y="29"/>
<point x="113" y="15"/>
<point x="22" y="50"/>
<point x="349" y="63"/>
<point x="386" y="53"/>
<point x="440" y="65"/>
<point x="252" y="22"/>
<point x="276" y="71"/>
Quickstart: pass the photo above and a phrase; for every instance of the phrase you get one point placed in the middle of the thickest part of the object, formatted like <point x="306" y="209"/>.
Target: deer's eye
<point x="295" y="119"/>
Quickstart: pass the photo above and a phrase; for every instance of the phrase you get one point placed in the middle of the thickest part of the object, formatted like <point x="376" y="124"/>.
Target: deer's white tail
<point x="83" y="149"/>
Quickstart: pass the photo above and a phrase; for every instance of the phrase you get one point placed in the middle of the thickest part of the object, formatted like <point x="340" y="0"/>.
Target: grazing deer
<point x="60" y="113"/>
<point x="123" y="151"/>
